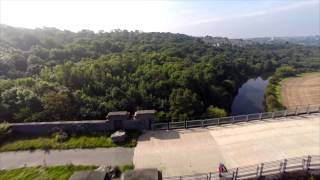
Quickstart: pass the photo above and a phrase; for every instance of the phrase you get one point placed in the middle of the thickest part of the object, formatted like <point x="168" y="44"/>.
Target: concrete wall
<point x="47" y="128"/>
<point x="135" y="124"/>
<point x="115" y="121"/>
<point x="90" y="126"/>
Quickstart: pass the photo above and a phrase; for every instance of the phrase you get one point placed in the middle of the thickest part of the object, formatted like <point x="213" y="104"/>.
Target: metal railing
<point x="235" y="119"/>
<point x="305" y="163"/>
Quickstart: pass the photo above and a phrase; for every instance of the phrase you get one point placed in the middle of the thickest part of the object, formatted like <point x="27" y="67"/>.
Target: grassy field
<point x="42" y="173"/>
<point x="79" y="141"/>
<point x="49" y="173"/>
<point x="302" y="90"/>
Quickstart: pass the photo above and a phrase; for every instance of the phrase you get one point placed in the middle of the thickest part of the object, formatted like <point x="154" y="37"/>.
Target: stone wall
<point x="47" y="128"/>
<point x="87" y="126"/>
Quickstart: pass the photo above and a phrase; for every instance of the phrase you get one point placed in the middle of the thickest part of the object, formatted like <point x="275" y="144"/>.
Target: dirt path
<point x="301" y="91"/>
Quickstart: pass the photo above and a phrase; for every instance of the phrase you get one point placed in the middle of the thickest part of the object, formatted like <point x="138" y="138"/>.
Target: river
<point x="250" y="97"/>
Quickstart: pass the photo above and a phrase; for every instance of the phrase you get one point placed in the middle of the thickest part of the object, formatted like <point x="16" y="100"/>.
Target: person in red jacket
<point x="222" y="169"/>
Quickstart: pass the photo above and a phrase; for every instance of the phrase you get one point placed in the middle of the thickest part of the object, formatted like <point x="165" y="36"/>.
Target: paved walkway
<point x="99" y="156"/>
<point x="191" y="151"/>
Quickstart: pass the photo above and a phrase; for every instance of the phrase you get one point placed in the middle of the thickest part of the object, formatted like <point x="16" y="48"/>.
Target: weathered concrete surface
<point x="184" y="152"/>
<point x="99" y="156"/>
<point x="177" y="152"/>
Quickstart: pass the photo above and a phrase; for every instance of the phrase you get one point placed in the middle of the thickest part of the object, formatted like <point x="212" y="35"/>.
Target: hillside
<point x="49" y="74"/>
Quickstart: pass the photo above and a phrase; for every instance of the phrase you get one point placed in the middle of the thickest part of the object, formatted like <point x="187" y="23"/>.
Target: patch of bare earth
<point x="301" y="91"/>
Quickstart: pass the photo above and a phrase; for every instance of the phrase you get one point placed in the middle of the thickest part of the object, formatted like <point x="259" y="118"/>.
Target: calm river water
<point x="250" y="97"/>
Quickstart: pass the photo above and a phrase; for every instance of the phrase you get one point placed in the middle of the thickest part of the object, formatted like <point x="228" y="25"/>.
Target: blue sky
<point x="229" y="18"/>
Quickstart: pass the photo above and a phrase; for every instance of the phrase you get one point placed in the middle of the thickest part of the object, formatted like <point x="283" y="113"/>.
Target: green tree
<point x="215" y="112"/>
<point x="184" y="104"/>
<point x="58" y="106"/>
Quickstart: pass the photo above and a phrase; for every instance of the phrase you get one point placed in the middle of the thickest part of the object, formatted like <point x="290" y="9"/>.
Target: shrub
<point x="215" y="112"/>
<point x="117" y="171"/>
<point x="126" y="168"/>
<point x="5" y="131"/>
<point x="61" y="136"/>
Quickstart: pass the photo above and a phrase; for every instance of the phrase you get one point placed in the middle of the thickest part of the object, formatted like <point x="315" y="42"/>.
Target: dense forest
<point x="48" y="74"/>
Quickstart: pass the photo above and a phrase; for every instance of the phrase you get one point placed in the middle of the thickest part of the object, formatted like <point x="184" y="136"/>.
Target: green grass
<point x="42" y="173"/>
<point x="79" y="141"/>
<point x="50" y="173"/>
<point x="126" y="168"/>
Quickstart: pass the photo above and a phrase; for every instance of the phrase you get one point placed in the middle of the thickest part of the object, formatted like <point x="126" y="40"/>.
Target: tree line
<point x="48" y="74"/>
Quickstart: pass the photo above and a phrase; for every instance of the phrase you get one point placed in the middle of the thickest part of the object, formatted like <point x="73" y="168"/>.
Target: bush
<point x="5" y="131"/>
<point x="61" y="136"/>
<point x="126" y="168"/>
<point x="285" y="71"/>
<point x="215" y="112"/>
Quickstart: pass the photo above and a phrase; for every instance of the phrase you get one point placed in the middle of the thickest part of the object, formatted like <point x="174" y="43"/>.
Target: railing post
<point x="257" y="173"/>
<point x="296" y="113"/>
<point x="284" y="165"/>
<point x="303" y="164"/>
<point x="261" y="170"/>
<point x="308" y="108"/>
<point x="185" y="124"/>
<point x="272" y="115"/>
<point x="247" y="118"/>
<point x="232" y="119"/>
<point x="319" y="109"/>
<point x="236" y="175"/>
<point x="260" y="116"/>
<point x="308" y="163"/>
<point x="209" y="175"/>
<point x="285" y="113"/>
<point x="218" y="121"/>
<point x="202" y="123"/>
<point x="168" y="125"/>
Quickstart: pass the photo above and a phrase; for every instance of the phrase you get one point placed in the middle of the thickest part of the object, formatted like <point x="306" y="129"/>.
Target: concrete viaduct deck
<point x="200" y="150"/>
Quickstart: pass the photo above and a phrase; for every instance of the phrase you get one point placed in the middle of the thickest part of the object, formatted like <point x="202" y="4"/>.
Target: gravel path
<point x="98" y="156"/>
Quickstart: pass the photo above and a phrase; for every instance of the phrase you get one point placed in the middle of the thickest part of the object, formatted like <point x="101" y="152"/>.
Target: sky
<point x="227" y="18"/>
